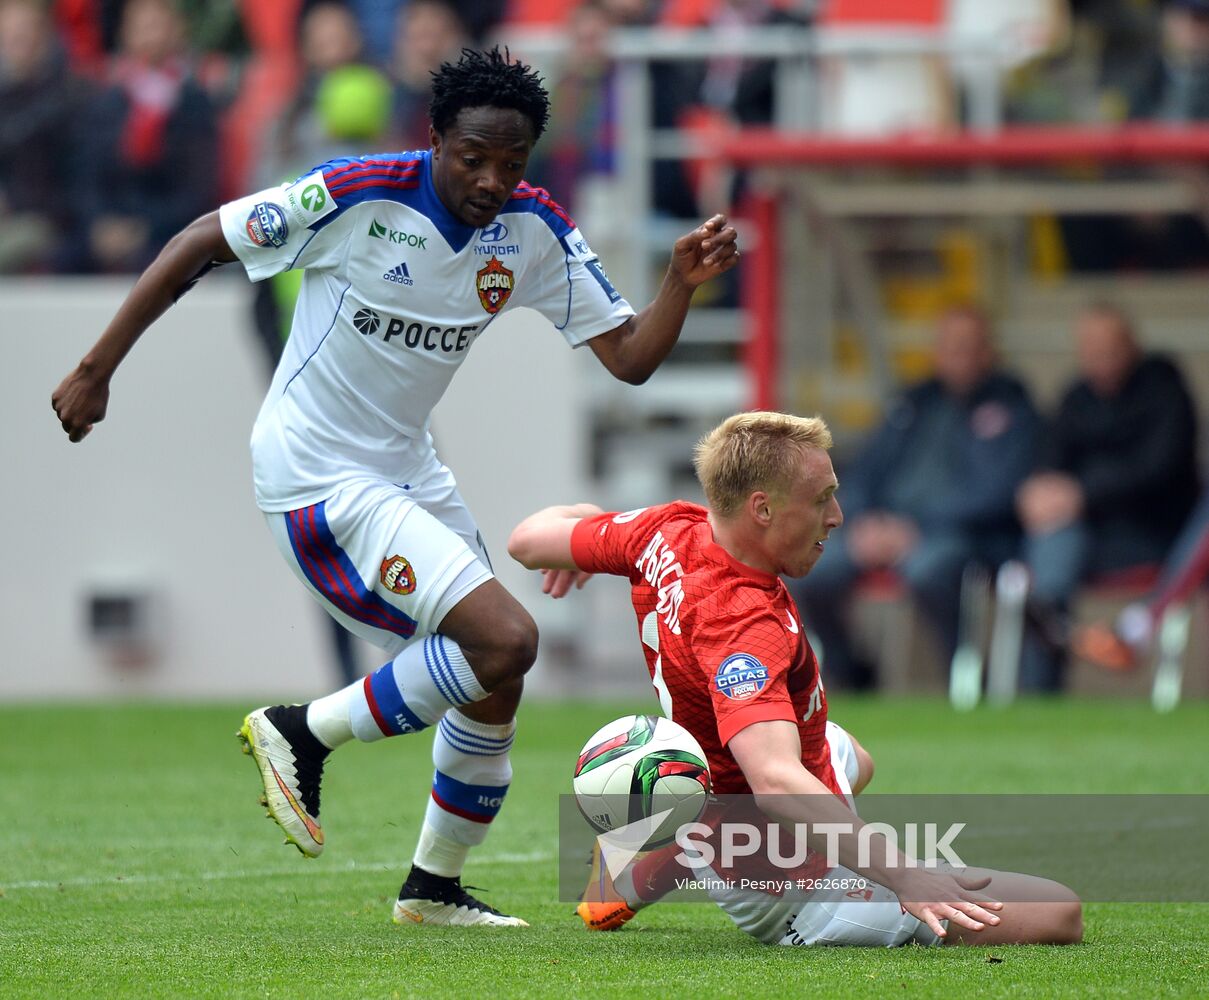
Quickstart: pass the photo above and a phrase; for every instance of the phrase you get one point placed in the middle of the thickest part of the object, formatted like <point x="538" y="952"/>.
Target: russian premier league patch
<point x="397" y="575"/>
<point x="741" y="676"/>
<point x="494" y="284"/>
<point x="267" y="225"/>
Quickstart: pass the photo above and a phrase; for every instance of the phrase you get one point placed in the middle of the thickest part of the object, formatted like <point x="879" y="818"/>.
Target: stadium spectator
<point x="742" y="88"/>
<point x="218" y="35"/>
<point x="730" y="663"/>
<point x="148" y="153"/>
<point x="582" y="109"/>
<point x="481" y="17"/>
<point x="40" y="101"/>
<point x="428" y="33"/>
<point x="376" y="20"/>
<point x="673" y="90"/>
<point x="1175" y="84"/>
<point x="930" y="492"/>
<point x="346" y="471"/>
<point x="1173" y="87"/>
<point x="1116" y="479"/>
<point x="328" y="39"/>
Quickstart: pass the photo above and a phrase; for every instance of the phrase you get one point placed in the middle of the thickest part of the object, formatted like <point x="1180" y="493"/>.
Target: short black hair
<point x="487" y="79"/>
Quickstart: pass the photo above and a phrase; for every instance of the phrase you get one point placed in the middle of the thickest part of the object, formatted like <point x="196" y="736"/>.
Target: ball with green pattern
<point x="637" y="767"/>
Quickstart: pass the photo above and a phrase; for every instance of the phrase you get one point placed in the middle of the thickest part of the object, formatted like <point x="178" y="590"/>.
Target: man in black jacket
<point x="931" y="491"/>
<point x="1117" y="475"/>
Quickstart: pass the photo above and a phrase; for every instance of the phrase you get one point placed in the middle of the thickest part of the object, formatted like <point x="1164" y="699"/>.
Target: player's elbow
<point x="623" y="354"/>
<point x="625" y="369"/>
<point x="633" y="374"/>
<point x="770" y="785"/>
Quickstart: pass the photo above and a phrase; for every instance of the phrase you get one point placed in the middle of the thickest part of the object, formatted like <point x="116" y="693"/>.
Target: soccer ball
<point x="636" y="767"/>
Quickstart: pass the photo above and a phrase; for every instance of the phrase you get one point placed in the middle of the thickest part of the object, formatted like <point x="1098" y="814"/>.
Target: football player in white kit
<point x="408" y="258"/>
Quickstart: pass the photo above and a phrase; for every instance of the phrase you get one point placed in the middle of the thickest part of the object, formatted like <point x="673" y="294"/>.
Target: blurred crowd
<point x="965" y="470"/>
<point x="121" y="120"/>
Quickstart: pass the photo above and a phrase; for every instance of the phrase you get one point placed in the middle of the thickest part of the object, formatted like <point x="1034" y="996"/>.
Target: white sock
<point x="327" y="717"/>
<point x="440" y="855"/>
<point x="468" y="788"/>
<point x="412" y="691"/>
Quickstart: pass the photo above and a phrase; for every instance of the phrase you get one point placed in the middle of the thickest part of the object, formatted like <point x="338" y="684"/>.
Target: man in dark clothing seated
<point x="1117" y="476"/>
<point x="930" y="492"/>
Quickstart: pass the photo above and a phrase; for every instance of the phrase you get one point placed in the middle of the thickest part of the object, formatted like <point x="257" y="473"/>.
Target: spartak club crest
<point x="494" y="283"/>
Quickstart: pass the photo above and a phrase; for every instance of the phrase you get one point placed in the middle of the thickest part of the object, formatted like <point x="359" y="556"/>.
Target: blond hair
<point x="754" y="451"/>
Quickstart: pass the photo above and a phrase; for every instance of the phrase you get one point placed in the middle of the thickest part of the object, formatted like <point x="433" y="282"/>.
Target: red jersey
<point x="722" y="640"/>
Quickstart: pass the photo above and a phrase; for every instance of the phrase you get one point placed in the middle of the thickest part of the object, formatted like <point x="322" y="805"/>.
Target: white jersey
<point x="395" y="293"/>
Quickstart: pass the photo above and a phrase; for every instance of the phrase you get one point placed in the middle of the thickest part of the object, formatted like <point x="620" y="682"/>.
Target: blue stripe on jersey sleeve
<point x="352" y="180"/>
<point x="404" y="178"/>
<point x="375" y="159"/>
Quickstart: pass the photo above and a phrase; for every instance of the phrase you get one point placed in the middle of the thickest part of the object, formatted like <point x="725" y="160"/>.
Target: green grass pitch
<point x="135" y="862"/>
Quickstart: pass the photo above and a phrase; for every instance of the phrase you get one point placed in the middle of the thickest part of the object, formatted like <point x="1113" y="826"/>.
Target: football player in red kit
<point x="730" y="662"/>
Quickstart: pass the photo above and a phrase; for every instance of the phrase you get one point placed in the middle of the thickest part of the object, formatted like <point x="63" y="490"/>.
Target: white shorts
<point x="388" y="561"/>
<point x="871" y="917"/>
<point x="833" y="914"/>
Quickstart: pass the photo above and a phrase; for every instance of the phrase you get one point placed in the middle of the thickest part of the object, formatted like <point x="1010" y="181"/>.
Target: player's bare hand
<point x="558" y="582"/>
<point x="956" y="898"/>
<point x="80" y="401"/>
<point x="709" y="250"/>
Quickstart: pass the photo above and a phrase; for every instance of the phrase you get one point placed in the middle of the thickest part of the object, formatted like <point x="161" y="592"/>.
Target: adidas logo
<point x="399" y="274"/>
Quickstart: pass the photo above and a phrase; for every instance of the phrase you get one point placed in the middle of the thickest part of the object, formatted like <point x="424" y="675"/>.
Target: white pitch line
<point x="214" y="876"/>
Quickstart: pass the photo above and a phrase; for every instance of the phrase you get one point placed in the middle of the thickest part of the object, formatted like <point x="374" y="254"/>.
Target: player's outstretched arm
<point x="83" y="396"/>
<point x="770" y="756"/>
<point x="633" y="351"/>
<point x="543" y="541"/>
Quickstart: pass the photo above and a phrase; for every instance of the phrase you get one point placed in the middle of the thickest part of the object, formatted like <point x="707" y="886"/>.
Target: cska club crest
<point x="494" y="283"/>
<point x="397" y="575"/>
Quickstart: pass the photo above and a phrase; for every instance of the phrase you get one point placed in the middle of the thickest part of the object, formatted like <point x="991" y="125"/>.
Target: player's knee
<point x="1067" y="921"/>
<point x="508" y="653"/>
<point x="1058" y="920"/>
<point x="521" y="647"/>
<point x="508" y="694"/>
